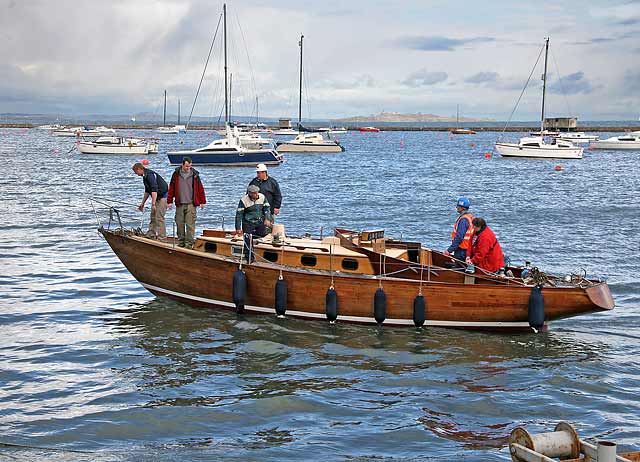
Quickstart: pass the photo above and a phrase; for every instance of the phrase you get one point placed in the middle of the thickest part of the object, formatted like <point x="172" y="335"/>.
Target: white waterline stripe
<point x="360" y="319"/>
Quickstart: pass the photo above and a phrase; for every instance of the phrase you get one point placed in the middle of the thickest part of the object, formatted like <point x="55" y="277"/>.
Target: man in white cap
<point x="269" y="187"/>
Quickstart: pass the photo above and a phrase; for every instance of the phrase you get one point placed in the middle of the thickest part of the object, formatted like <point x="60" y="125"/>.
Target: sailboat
<point x="536" y="146"/>
<point x="228" y="151"/>
<point x="458" y="130"/>
<point x="307" y="142"/>
<point x="170" y="130"/>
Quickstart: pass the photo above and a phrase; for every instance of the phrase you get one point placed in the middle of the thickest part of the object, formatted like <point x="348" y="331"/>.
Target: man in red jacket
<point x="485" y="251"/>
<point x="187" y="189"/>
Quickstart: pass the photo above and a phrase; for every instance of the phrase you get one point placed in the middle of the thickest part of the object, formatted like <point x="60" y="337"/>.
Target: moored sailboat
<point x="536" y="146"/>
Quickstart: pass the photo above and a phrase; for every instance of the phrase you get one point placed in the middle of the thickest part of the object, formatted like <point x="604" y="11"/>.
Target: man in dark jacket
<point x="186" y="188"/>
<point x="156" y="188"/>
<point x="269" y="187"/>
<point x="253" y="215"/>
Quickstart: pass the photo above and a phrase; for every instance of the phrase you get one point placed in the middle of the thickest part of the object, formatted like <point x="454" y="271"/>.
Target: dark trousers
<point x="259" y="230"/>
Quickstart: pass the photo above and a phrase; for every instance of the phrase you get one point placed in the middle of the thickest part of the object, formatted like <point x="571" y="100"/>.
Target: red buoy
<point x="487" y="155"/>
<point x="558" y="168"/>
<point x="473" y="145"/>
<point x="145" y="162"/>
<point x="401" y="143"/>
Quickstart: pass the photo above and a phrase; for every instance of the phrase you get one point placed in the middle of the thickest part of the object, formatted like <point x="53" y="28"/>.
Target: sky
<point x="360" y="57"/>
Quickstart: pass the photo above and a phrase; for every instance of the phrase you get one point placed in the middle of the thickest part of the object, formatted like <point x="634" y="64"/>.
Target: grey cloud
<point x="572" y="84"/>
<point x="631" y="82"/>
<point x="628" y="22"/>
<point x="422" y="77"/>
<point x="436" y="43"/>
<point x="482" y="77"/>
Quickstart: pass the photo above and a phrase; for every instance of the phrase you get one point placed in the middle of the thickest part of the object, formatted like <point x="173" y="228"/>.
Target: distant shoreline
<point x="521" y="128"/>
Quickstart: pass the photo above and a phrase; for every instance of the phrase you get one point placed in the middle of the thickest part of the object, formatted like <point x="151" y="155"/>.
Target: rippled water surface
<point x="95" y="368"/>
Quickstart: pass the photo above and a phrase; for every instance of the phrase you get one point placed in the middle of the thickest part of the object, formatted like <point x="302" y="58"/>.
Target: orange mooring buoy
<point x="401" y="143"/>
<point x="558" y="168"/>
<point x="473" y="145"/>
<point x="145" y="162"/>
<point x="487" y="155"/>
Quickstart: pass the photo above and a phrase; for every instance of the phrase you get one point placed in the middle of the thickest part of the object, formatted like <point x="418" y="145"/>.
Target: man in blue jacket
<point x="156" y="188"/>
<point x="462" y="231"/>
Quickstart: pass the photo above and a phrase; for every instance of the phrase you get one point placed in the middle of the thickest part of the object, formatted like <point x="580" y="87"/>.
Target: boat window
<point x="236" y="250"/>
<point x="535" y="145"/>
<point x="210" y="247"/>
<point x="270" y="255"/>
<point x="308" y="260"/>
<point x="350" y="264"/>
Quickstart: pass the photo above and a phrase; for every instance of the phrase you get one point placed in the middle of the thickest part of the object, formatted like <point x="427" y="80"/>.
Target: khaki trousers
<point x="186" y="224"/>
<point x="157" y="226"/>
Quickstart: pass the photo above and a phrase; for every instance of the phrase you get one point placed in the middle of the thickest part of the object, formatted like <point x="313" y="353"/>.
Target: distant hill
<point x="398" y="117"/>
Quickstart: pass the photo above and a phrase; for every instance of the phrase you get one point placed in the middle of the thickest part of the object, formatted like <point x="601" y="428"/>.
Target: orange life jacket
<point x="466" y="240"/>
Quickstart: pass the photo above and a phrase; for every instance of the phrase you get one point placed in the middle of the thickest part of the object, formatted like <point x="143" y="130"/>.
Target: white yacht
<point x="627" y="141"/>
<point x="536" y="146"/>
<point x="50" y="127"/>
<point x="309" y="142"/>
<point x="84" y="132"/>
<point x="172" y="130"/>
<point x="118" y="145"/>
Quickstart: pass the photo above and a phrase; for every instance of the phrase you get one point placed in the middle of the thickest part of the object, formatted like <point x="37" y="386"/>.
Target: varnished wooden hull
<point x="202" y="279"/>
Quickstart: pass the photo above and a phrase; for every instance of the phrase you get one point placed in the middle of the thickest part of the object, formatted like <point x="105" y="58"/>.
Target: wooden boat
<point x="356" y="266"/>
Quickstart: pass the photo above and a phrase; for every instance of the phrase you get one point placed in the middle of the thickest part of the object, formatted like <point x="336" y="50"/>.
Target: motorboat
<point x="309" y="142"/>
<point x="577" y="137"/>
<point x="537" y="146"/>
<point x="229" y="151"/>
<point x="458" y="130"/>
<point x="84" y="132"/>
<point x="331" y="130"/>
<point x="369" y="129"/>
<point x="629" y="142"/>
<point x="118" y="145"/>
<point x="351" y="277"/>
<point x="50" y="127"/>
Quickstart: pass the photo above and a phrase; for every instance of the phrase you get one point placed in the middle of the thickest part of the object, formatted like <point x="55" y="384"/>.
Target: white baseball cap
<point x="261" y="168"/>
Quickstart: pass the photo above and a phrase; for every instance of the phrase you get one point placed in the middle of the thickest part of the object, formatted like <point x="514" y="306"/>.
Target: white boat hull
<point x="299" y="147"/>
<point x="617" y="145"/>
<point x="92" y="148"/>
<point x="544" y="152"/>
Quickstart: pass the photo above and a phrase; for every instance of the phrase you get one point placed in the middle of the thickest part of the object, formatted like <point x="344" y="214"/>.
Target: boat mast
<point x="257" y="117"/>
<point x="164" y="111"/>
<point x="230" y="93"/>
<point x="457" y="114"/>
<point x="178" y="112"/>
<point x="226" y="103"/>
<point x="300" y="92"/>
<point x="544" y="83"/>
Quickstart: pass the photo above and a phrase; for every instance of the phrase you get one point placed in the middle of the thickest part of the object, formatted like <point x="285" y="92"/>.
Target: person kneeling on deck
<point x="485" y="251"/>
<point x="253" y="215"/>
<point x="185" y="186"/>
<point x="462" y="231"/>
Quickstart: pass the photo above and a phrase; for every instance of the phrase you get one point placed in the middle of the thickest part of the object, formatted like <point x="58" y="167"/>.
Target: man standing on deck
<point x="253" y="215"/>
<point x="462" y="231"/>
<point x="156" y="188"/>
<point x="269" y="187"/>
<point x="185" y="186"/>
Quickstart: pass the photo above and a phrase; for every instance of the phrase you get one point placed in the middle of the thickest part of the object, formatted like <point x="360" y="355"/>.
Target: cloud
<point x="483" y="77"/>
<point x="628" y="22"/>
<point x="572" y="84"/>
<point x="422" y="77"/>
<point x="436" y="43"/>
<point x="631" y="82"/>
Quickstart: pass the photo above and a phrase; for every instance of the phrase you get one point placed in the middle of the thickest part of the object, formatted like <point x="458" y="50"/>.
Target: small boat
<point x="369" y="129"/>
<point x="577" y="137"/>
<point x="351" y="277"/>
<point x="118" y="145"/>
<point x="284" y="131"/>
<point x="628" y="142"/>
<point x="545" y="133"/>
<point x="458" y="130"/>
<point x="331" y="130"/>
<point x="229" y="151"/>
<point x="309" y="142"/>
<point x="536" y="146"/>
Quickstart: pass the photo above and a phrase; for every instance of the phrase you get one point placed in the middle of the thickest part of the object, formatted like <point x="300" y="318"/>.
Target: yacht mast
<point x="226" y="103"/>
<point x="164" y="111"/>
<point x="300" y="93"/>
<point x="544" y="83"/>
<point x="178" y="112"/>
